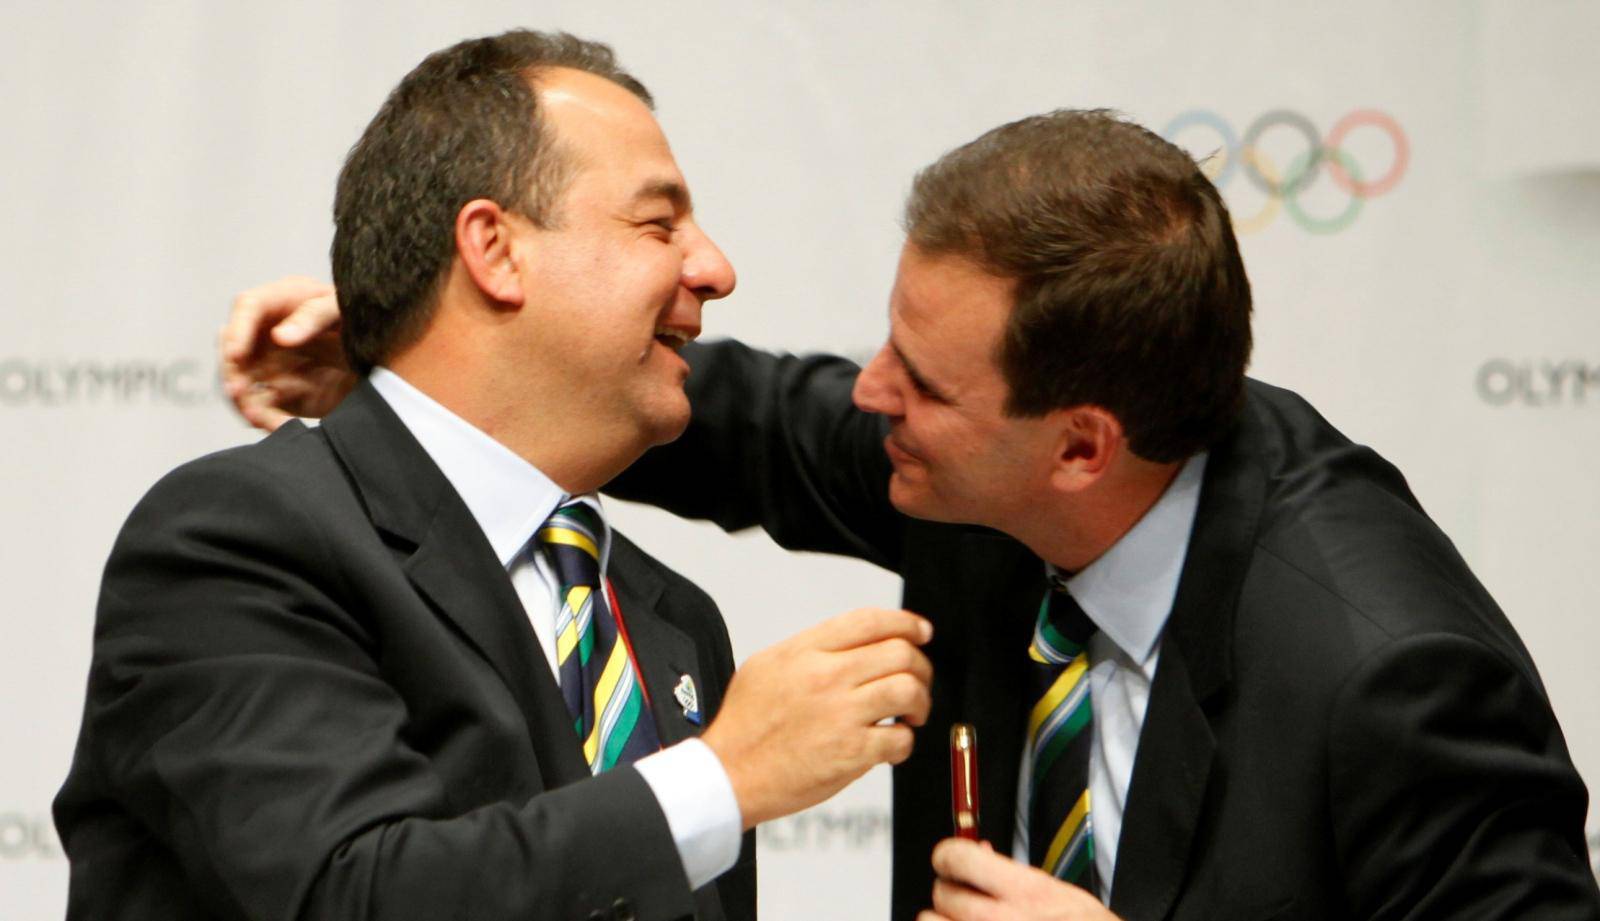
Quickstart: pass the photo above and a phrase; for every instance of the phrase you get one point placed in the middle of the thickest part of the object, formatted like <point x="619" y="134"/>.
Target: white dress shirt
<point x="510" y="498"/>
<point x="1128" y="593"/>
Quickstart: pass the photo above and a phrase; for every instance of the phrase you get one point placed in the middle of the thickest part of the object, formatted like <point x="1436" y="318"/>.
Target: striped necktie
<point x="1060" y="835"/>
<point x="598" y="678"/>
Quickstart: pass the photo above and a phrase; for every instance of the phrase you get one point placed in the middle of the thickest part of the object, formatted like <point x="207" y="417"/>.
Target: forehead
<point x="605" y="128"/>
<point x="948" y="314"/>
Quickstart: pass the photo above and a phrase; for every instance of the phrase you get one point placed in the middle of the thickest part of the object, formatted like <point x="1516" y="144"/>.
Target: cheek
<point x="939" y="437"/>
<point x="974" y="452"/>
<point x="637" y="275"/>
<point x="655" y="268"/>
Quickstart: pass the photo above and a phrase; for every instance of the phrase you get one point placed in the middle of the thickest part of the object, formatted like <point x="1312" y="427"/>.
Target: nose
<point x="706" y="271"/>
<point x="876" y="390"/>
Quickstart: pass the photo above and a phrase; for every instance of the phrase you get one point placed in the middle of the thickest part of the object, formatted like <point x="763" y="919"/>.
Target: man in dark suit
<point x="1302" y="703"/>
<point x="338" y="674"/>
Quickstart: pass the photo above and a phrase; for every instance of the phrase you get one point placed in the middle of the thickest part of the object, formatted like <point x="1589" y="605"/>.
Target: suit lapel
<point x="665" y="654"/>
<point x="452" y="565"/>
<point x="994" y="675"/>
<point x="1170" y="774"/>
<point x="456" y="569"/>
<point x="1176" y="746"/>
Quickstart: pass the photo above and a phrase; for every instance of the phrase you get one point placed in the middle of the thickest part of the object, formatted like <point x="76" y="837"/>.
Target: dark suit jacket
<point x="315" y="694"/>
<point x="1342" y="725"/>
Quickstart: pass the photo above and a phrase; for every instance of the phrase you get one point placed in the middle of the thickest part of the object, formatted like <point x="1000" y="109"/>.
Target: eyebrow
<point x="670" y="189"/>
<point x="916" y="376"/>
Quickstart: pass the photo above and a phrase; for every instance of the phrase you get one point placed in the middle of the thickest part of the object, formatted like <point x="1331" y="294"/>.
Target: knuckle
<point x="826" y="669"/>
<point x="908" y="689"/>
<point x="817" y="674"/>
<point x="941" y="858"/>
<point x="917" y="712"/>
<point x="900" y="744"/>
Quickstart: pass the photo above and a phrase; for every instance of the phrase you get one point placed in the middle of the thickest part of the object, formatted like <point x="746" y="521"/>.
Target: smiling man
<point x="397" y="666"/>
<point x="1221" y="663"/>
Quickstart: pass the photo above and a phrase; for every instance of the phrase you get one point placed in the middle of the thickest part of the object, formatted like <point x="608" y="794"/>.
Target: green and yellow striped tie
<point x="598" y="677"/>
<point x="1060" y="833"/>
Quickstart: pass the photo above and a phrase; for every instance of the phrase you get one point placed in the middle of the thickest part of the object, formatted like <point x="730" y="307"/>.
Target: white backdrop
<point x="161" y="156"/>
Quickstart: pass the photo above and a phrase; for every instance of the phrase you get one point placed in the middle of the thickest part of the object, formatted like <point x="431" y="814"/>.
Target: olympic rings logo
<point x="1284" y="190"/>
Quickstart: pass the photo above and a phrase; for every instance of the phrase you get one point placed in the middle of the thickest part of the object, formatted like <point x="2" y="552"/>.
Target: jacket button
<point x="622" y="910"/>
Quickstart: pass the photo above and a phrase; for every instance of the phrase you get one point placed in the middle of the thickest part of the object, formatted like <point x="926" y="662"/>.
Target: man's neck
<point x="530" y="420"/>
<point x="1073" y="530"/>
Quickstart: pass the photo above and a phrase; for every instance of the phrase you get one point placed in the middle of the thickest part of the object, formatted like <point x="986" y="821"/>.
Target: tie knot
<point x="1062" y="630"/>
<point x="571" y="539"/>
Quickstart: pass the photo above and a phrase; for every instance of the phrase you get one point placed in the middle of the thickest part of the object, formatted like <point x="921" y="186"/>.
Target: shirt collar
<point x="508" y="497"/>
<point x="1128" y="592"/>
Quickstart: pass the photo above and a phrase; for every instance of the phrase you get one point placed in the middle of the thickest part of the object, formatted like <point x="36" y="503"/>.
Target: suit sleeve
<point x="237" y="708"/>
<point x="1452" y="793"/>
<point x="775" y="441"/>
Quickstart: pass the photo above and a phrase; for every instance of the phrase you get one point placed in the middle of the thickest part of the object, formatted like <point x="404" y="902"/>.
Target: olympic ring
<point x="1339" y="221"/>
<point x="1402" y="152"/>
<point x="1274" y="202"/>
<point x="1283" y="191"/>
<point x="1252" y="139"/>
<point x="1230" y="141"/>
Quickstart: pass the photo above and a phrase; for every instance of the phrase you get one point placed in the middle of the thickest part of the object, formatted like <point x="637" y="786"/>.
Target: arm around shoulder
<point x="775" y="441"/>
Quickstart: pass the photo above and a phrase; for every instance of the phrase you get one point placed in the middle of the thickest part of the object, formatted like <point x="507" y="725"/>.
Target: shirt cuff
<point x="702" y="813"/>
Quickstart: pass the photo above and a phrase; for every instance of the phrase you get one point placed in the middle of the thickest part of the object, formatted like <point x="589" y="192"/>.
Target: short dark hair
<point x="464" y="124"/>
<point x="1130" y="293"/>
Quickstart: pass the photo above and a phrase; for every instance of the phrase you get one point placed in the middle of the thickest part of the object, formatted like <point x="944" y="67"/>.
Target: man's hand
<point x="800" y="720"/>
<point x="976" y="884"/>
<point x="281" y="355"/>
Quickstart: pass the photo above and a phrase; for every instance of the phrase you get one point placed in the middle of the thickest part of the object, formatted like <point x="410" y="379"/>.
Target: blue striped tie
<point x="598" y="676"/>
<point x="1060" y="730"/>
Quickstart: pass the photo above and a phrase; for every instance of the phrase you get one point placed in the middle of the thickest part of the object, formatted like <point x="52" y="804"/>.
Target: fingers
<point x="902" y="696"/>
<point x="970" y="864"/>
<point x="256" y="404"/>
<point x="962" y="903"/>
<point x="889" y="744"/>
<point x="870" y="625"/>
<point x="259" y="308"/>
<point x="884" y="678"/>
<point x="313" y="317"/>
<point x="886" y="657"/>
<point x="281" y="354"/>
<point x="801" y="719"/>
<point x="977" y="883"/>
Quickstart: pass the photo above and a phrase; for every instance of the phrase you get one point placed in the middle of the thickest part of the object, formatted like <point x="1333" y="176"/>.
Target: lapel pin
<point x="688" y="699"/>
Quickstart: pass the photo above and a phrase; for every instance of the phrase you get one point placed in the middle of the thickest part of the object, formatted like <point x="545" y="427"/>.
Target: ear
<point x="1089" y="439"/>
<point x="485" y="244"/>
